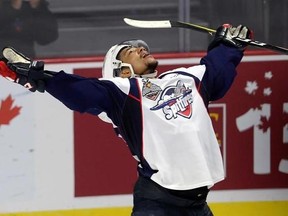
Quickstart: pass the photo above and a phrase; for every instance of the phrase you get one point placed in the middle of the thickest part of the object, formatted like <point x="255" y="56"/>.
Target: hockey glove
<point x="226" y="34"/>
<point x="22" y="70"/>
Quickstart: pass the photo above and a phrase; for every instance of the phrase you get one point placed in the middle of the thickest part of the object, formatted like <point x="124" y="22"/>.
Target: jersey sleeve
<point x="88" y="95"/>
<point x="221" y="64"/>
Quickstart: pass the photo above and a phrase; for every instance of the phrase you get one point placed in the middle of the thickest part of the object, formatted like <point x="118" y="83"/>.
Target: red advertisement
<point x="250" y="122"/>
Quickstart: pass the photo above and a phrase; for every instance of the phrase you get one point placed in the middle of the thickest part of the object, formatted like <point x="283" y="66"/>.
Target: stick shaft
<point x="178" y="24"/>
<point x="245" y="41"/>
<point x="199" y="28"/>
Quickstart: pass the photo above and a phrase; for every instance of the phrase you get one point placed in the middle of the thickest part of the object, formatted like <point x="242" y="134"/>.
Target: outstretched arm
<point x="77" y="93"/>
<point x="221" y="64"/>
<point x="223" y="57"/>
<point x="85" y="94"/>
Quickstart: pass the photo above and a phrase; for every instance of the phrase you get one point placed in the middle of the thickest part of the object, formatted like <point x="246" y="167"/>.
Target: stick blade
<point x="148" y="24"/>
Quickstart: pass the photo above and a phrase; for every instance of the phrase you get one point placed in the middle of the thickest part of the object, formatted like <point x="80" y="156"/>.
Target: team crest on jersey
<point x="175" y="100"/>
<point x="150" y="90"/>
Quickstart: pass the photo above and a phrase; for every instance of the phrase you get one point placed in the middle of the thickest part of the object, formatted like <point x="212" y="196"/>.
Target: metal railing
<point x="96" y="25"/>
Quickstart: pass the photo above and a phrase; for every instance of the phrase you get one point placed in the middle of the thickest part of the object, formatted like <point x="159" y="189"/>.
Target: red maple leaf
<point x="8" y="111"/>
<point x="265" y="124"/>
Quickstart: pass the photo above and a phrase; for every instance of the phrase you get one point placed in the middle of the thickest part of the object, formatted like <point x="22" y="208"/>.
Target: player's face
<point x="140" y="59"/>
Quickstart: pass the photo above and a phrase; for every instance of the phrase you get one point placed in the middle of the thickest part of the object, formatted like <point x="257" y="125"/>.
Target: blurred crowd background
<point x="73" y="28"/>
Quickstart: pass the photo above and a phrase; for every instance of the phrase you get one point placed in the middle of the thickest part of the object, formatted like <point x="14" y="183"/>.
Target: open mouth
<point x="145" y="54"/>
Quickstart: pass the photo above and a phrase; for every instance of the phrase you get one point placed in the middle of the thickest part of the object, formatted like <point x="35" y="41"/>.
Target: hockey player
<point x="164" y="120"/>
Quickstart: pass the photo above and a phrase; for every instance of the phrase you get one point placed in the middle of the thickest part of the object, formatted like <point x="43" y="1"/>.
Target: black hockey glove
<point x="226" y="34"/>
<point x="28" y="73"/>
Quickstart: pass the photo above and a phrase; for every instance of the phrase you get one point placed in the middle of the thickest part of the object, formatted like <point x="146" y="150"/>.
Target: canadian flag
<point x="8" y="111"/>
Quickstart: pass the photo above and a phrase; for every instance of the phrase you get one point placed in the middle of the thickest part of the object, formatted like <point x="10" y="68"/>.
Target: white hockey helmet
<point x="112" y="66"/>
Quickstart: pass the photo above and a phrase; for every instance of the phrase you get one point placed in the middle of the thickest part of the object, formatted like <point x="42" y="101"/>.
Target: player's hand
<point x="226" y="34"/>
<point x="20" y="69"/>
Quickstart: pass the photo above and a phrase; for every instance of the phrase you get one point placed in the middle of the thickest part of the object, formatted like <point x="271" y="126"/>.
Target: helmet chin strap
<point x="150" y="75"/>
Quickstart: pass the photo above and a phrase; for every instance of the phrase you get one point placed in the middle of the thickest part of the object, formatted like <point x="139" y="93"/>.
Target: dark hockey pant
<point x="150" y="199"/>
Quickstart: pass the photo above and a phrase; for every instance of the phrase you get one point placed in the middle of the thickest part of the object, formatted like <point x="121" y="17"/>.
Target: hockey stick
<point x="178" y="24"/>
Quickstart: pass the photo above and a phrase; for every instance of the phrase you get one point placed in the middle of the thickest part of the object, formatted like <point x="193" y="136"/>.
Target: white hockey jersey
<point x="164" y="121"/>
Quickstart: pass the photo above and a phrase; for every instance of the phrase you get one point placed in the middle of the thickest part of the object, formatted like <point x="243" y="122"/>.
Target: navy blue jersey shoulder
<point x="86" y="94"/>
<point x="221" y="63"/>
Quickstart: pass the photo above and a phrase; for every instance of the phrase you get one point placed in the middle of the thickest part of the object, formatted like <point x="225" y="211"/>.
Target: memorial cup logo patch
<point x="175" y="100"/>
<point x="150" y="90"/>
